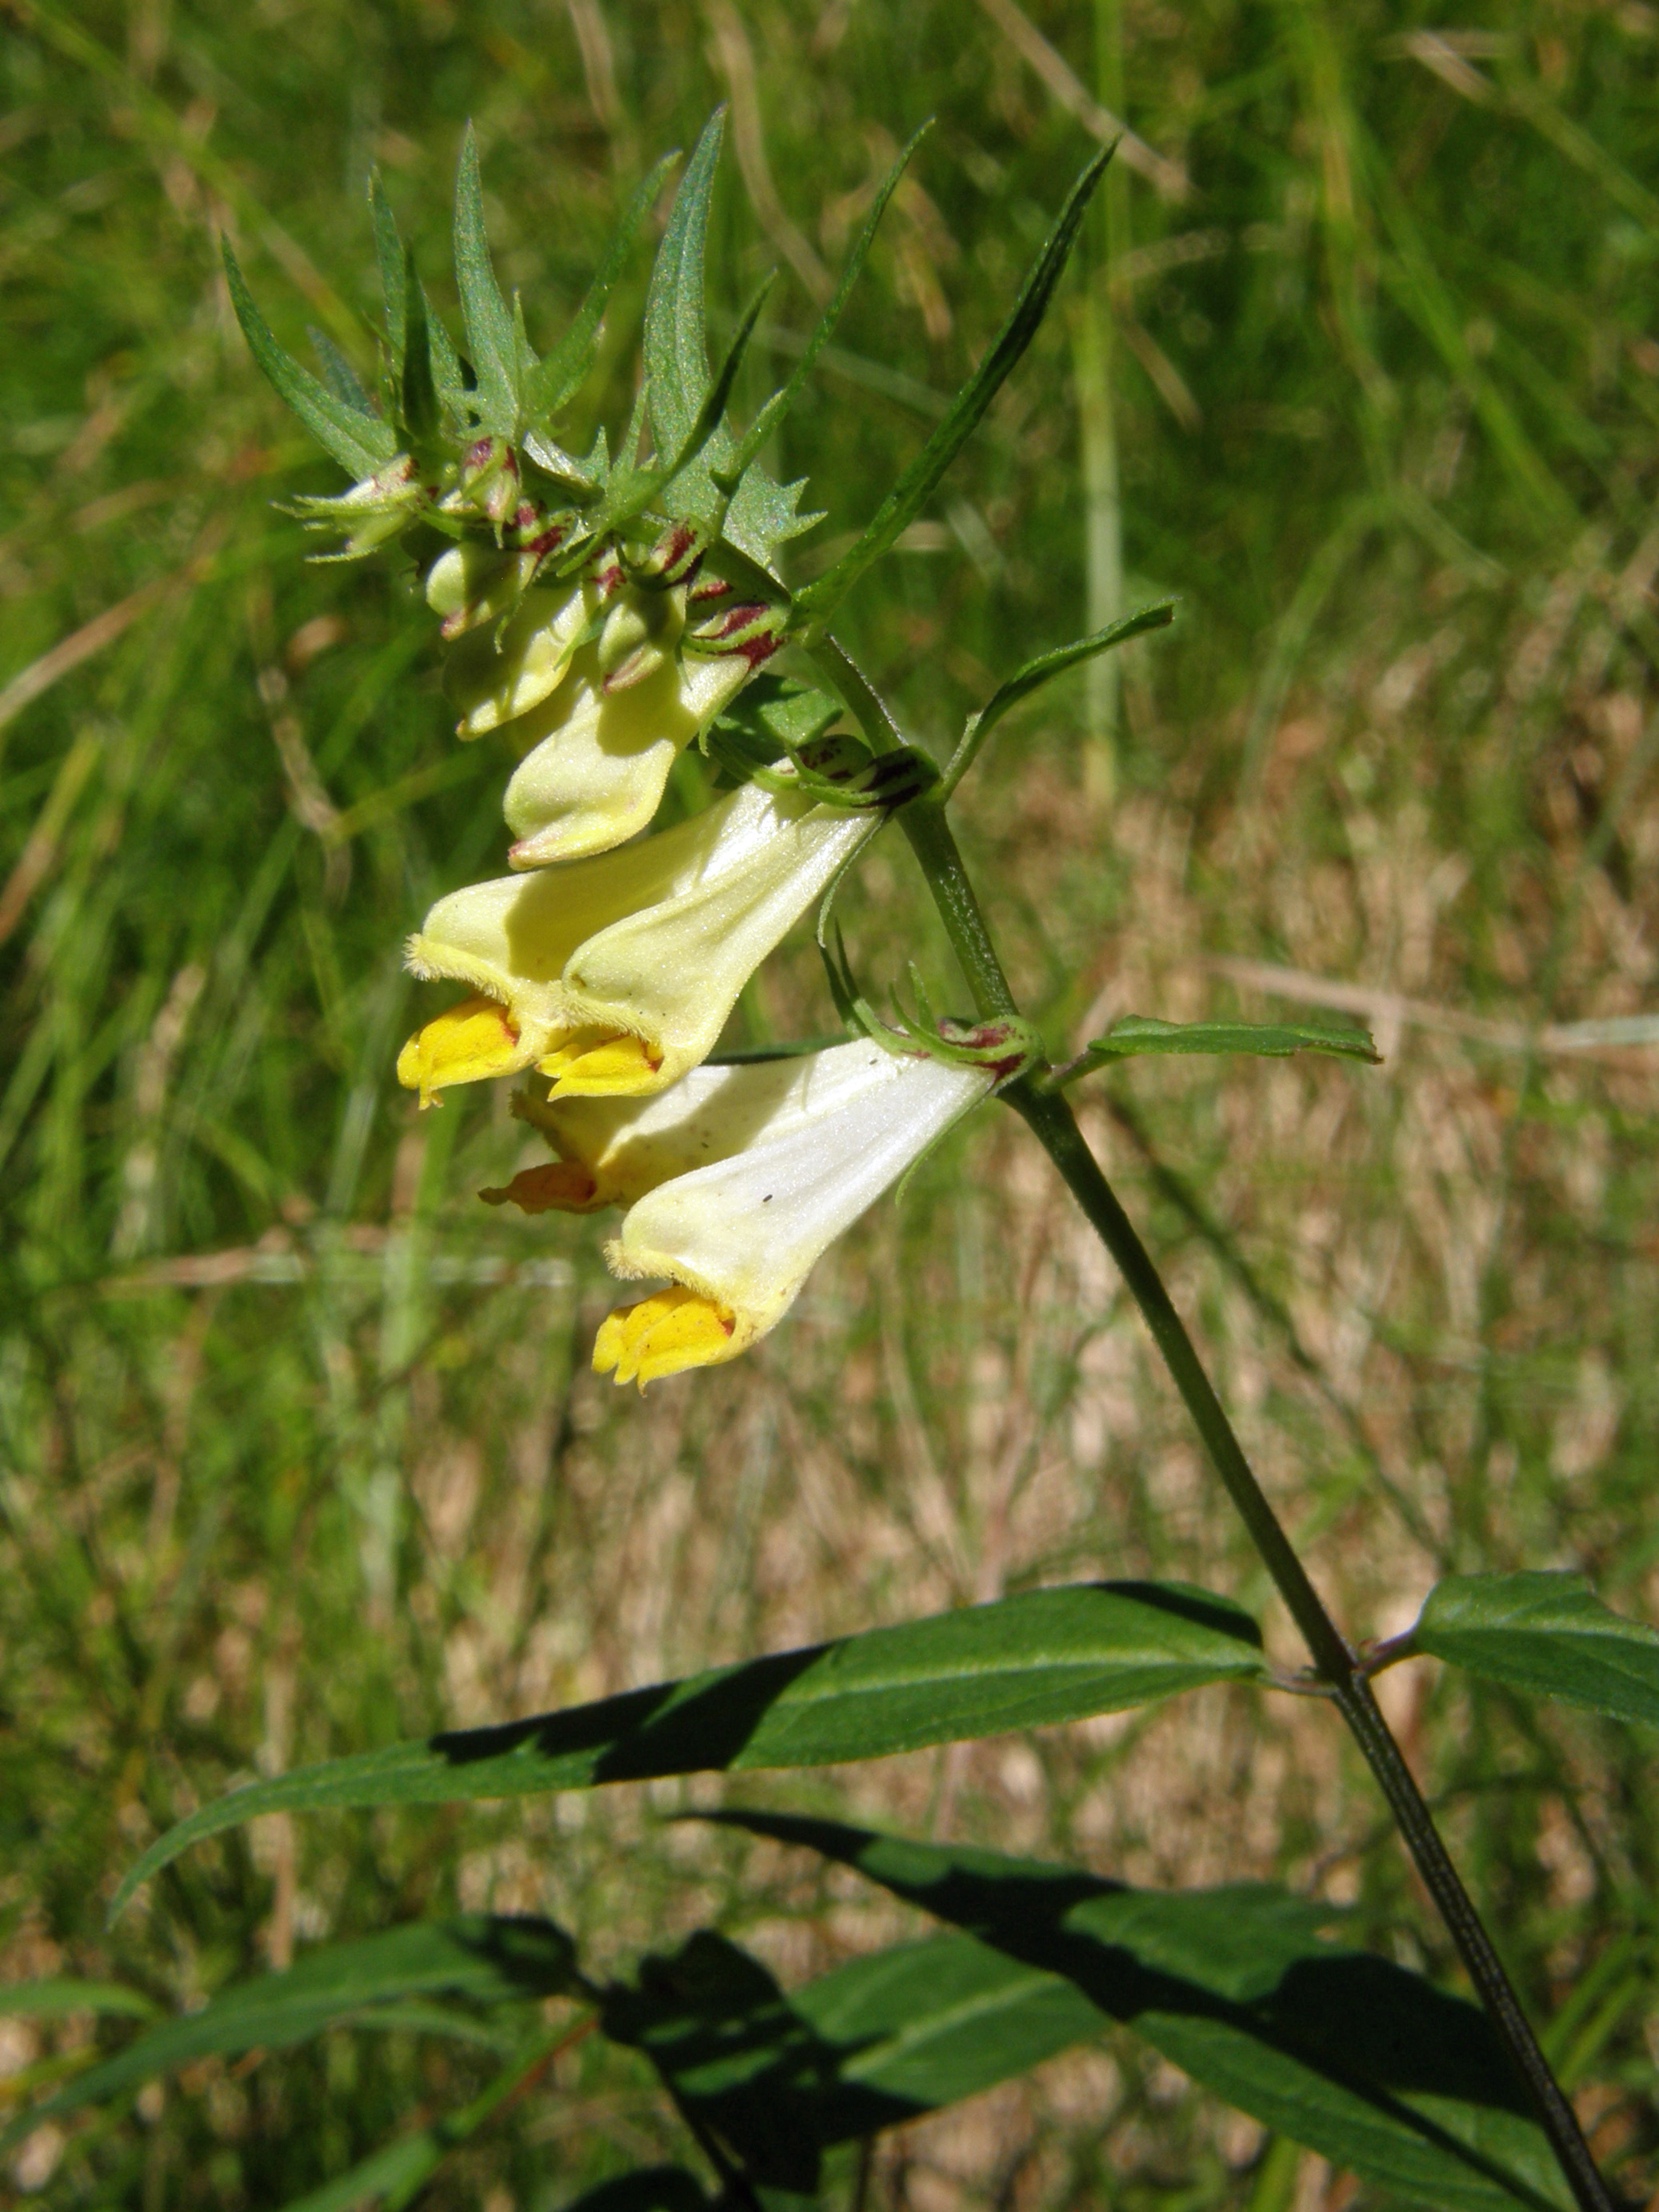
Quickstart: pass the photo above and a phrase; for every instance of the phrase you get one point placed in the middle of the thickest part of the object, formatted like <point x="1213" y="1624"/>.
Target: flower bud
<point x="640" y="634"/>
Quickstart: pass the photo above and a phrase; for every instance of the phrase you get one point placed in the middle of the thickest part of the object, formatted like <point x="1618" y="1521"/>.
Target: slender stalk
<point x="1049" y="1116"/>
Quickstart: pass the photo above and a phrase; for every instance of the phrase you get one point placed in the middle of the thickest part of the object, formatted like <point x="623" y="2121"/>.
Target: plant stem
<point x="1049" y="1116"/>
<point x="925" y="822"/>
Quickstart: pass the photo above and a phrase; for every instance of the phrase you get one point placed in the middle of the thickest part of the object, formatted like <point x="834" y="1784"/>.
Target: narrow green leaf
<point x="1342" y="2052"/>
<point x="1546" y="1633"/>
<point x="782" y="400"/>
<point x="881" y="2040"/>
<point x="676" y="347"/>
<point x="631" y="490"/>
<point x="557" y="379"/>
<point x="1045" y="1657"/>
<point x="904" y="503"/>
<point x="361" y="442"/>
<point x="488" y="1960"/>
<point x="454" y="393"/>
<point x="393" y="266"/>
<point x="1140" y="1033"/>
<point x="490" y="337"/>
<point x="1037" y="673"/>
<point x="63" y="1994"/>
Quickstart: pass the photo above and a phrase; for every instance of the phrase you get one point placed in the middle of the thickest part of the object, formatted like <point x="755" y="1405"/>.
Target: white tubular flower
<point x="599" y="753"/>
<point x="737" y="1180"/>
<point x="615" y="974"/>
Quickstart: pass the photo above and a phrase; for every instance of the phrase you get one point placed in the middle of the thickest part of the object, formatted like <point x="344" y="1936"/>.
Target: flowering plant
<point x="601" y="616"/>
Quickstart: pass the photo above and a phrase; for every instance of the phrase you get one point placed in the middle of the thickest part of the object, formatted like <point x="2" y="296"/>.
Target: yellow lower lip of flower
<point x="560" y="1187"/>
<point x="663" y="1335"/>
<point x="596" y="1063"/>
<point x="466" y="1043"/>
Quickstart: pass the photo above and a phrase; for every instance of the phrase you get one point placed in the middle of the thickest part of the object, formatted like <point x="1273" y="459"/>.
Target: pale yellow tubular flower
<point x="739" y="1237"/>
<point x="599" y="758"/>
<point x="615" y="974"/>
<point x="495" y="676"/>
<point x="613" y="1151"/>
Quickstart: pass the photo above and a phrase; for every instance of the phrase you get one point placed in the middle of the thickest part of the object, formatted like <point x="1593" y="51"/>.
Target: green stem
<point x="1049" y="1116"/>
<point x="926" y="825"/>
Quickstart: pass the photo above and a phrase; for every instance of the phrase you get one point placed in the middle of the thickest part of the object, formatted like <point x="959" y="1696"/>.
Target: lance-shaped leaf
<point x="1546" y="1633"/>
<point x="761" y="515"/>
<point x="557" y="379"/>
<point x="730" y="474"/>
<point x="359" y="441"/>
<point x="1342" y="2052"/>
<point x="492" y="337"/>
<point x="1044" y="1657"/>
<point x="817" y="604"/>
<point x="1037" y="673"/>
<point x="676" y="345"/>
<point x="772" y="2080"/>
<point x="631" y="490"/>
<point x="1142" y="1033"/>
<point x="487" y="1961"/>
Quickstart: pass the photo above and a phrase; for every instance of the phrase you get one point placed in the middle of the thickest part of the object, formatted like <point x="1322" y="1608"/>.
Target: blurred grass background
<point x="300" y="1450"/>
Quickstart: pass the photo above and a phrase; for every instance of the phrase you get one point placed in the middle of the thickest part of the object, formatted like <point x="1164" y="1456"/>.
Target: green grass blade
<point x="1342" y="2052"/>
<point x="488" y="1960"/>
<point x="1034" y="1661"/>
<point x="361" y="442"/>
<point x="904" y="503"/>
<point x="389" y="2175"/>
<point x="491" y="338"/>
<point x="1548" y="1634"/>
<point x="394" y="2174"/>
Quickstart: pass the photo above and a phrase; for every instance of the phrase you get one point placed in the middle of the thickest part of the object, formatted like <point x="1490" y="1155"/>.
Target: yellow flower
<point x="497" y="674"/>
<point x="615" y="974"/>
<point x="736" y="1182"/>
<point x="598" y="753"/>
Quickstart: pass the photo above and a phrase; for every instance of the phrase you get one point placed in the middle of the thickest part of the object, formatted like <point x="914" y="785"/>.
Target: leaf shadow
<point x="1179" y="1967"/>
